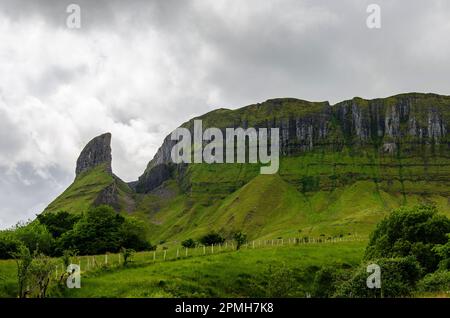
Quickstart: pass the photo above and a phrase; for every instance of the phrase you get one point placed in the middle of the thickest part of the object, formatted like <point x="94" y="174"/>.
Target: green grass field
<point x="226" y="273"/>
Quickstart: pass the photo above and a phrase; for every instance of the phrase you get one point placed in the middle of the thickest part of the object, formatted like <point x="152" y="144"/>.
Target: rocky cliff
<point x="96" y="152"/>
<point x="94" y="184"/>
<point x="404" y="123"/>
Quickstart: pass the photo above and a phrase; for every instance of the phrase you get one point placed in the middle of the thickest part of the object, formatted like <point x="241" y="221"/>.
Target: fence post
<point x="204" y="249"/>
<point x="106" y="259"/>
<point x="187" y="251"/>
<point x="212" y="248"/>
<point x="178" y="252"/>
<point x="165" y="252"/>
<point x="154" y="255"/>
<point x="253" y="244"/>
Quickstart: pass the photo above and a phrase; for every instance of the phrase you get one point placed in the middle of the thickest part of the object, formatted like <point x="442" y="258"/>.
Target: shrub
<point x="435" y="282"/>
<point x="9" y="245"/>
<point x="240" y="238"/>
<point x="102" y="230"/>
<point x="58" y="223"/>
<point x="212" y="238"/>
<point x="399" y="277"/>
<point x="35" y="237"/>
<point x="410" y="231"/>
<point x="127" y="255"/>
<point x="133" y="233"/>
<point x="189" y="243"/>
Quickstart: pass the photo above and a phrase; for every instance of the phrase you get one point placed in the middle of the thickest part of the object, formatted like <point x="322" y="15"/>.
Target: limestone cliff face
<point x="406" y="122"/>
<point x="95" y="153"/>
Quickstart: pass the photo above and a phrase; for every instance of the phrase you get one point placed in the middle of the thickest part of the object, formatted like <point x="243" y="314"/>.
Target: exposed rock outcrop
<point x="388" y="124"/>
<point x="96" y="152"/>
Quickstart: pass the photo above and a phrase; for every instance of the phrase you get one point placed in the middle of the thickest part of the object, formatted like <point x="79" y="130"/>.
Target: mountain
<point x="94" y="184"/>
<point x="342" y="168"/>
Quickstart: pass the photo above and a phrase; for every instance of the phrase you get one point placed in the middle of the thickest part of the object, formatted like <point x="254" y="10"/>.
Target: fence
<point x="92" y="263"/>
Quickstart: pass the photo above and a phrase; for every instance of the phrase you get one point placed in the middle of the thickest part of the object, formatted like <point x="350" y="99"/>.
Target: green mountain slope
<point x="343" y="167"/>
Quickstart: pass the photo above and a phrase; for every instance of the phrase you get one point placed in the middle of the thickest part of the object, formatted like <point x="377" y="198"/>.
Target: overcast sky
<point x="138" y="69"/>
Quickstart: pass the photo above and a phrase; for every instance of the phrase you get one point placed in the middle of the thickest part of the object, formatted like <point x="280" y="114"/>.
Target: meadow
<point x="266" y="271"/>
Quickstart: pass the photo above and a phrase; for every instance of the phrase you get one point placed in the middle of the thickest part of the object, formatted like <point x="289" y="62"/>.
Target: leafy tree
<point x="97" y="232"/>
<point x="280" y="281"/>
<point x="23" y="260"/>
<point x="410" y="231"/>
<point x="399" y="277"/>
<point x="40" y="272"/>
<point x="9" y="244"/>
<point x="443" y="251"/>
<point x="189" y="243"/>
<point x="240" y="238"/>
<point x="58" y="223"/>
<point x="127" y="255"/>
<point x="133" y="234"/>
<point x="435" y="282"/>
<point x="212" y="238"/>
<point x="35" y="236"/>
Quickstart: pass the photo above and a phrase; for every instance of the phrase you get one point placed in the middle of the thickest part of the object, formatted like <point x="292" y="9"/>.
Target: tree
<point x="399" y="277"/>
<point x="9" y="244"/>
<point x="23" y="260"/>
<point x="58" y="223"/>
<point x="443" y="251"/>
<point x="127" y="255"/>
<point x="40" y="271"/>
<point x="35" y="236"/>
<point x="189" y="243"/>
<point x="410" y="232"/>
<point x="98" y="231"/>
<point x="133" y="234"/>
<point x="212" y="238"/>
<point x="240" y="238"/>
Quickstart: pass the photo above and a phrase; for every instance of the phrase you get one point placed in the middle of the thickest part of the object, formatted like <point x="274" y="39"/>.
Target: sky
<point x="139" y="69"/>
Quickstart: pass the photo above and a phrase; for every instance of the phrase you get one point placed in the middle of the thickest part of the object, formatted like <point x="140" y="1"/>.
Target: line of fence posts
<point x="92" y="262"/>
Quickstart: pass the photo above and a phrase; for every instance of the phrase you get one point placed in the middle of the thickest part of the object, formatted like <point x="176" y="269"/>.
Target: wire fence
<point x="163" y="254"/>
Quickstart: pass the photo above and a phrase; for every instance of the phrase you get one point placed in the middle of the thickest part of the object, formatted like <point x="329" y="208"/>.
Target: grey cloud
<point x="246" y="52"/>
<point x="25" y="192"/>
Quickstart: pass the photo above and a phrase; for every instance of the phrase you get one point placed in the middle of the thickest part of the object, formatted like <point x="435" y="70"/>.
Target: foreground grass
<point x="245" y="273"/>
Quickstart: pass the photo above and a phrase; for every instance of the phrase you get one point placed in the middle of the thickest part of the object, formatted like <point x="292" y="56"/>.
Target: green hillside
<point x="342" y="169"/>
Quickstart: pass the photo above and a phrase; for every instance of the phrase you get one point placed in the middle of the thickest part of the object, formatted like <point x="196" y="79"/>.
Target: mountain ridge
<point x="397" y="149"/>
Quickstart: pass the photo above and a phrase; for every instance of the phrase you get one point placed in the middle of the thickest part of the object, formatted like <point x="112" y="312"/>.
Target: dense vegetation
<point x="411" y="246"/>
<point x="97" y="231"/>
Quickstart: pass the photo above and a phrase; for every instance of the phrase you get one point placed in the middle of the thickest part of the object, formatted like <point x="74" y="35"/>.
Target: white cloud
<point x="140" y="69"/>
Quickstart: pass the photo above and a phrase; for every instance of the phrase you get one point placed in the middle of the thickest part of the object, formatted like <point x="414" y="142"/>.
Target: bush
<point x="327" y="278"/>
<point x="240" y="238"/>
<point x="102" y="230"/>
<point x="435" y="282"/>
<point x="9" y="245"/>
<point x="133" y="234"/>
<point x="212" y="238"/>
<point x="35" y="237"/>
<point x="97" y="232"/>
<point x="189" y="243"/>
<point x="58" y="223"/>
<point x="399" y="277"/>
<point x="410" y="232"/>
<point x="443" y="251"/>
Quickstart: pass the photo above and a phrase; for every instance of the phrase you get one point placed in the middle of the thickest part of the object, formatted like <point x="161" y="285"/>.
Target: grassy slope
<point x="82" y="192"/>
<point x="231" y="274"/>
<point x="317" y="193"/>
